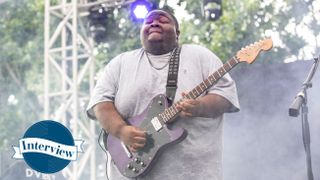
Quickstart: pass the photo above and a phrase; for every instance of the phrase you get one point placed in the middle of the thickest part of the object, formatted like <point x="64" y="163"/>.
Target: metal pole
<point x="75" y="113"/>
<point x="46" y="58"/>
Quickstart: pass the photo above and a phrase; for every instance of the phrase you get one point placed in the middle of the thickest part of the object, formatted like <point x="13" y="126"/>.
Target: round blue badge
<point x="47" y="146"/>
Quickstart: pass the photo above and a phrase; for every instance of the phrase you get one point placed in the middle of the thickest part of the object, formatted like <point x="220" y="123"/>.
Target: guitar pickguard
<point x="140" y="163"/>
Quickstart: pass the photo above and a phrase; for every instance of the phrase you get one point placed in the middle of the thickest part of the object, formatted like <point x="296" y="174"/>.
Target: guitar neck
<point x="170" y="113"/>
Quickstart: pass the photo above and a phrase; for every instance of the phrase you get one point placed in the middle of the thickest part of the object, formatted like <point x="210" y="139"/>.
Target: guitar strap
<point x="172" y="80"/>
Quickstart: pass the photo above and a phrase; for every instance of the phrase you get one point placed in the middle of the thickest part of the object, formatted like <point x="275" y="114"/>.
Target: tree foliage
<point x="244" y="22"/>
<point x="21" y="64"/>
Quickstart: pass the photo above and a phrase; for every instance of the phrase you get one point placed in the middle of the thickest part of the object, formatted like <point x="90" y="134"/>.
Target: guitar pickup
<point x="156" y="123"/>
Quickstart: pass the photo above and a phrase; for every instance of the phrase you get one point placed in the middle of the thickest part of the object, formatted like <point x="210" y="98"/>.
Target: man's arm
<point x="113" y="123"/>
<point x="210" y="105"/>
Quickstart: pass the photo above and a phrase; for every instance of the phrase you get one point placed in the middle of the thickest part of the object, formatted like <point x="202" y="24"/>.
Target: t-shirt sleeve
<point x="225" y="86"/>
<point x="106" y="86"/>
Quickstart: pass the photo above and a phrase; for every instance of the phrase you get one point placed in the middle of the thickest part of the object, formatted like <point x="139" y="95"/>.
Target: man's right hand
<point x="133" y="137"/>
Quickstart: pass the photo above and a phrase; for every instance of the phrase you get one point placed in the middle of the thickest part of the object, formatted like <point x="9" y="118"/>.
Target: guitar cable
<point x="105" y="151"/>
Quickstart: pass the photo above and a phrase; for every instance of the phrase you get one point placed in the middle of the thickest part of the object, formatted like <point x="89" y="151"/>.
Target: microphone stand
<point x="300" y="101"/>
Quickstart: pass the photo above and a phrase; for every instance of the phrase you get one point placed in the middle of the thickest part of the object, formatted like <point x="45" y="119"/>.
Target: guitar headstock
<point x="250" y="52"/>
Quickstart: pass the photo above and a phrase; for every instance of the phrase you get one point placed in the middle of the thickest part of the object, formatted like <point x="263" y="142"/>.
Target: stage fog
<point x="262" y="142"/>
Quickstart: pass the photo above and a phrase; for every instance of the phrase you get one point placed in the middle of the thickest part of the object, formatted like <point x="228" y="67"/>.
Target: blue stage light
<point x="140" y="11"/>
<point x="140" y="8"/>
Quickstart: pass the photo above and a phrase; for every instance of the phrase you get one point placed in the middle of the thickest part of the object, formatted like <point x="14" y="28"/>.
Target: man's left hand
<point x="189" y="107"/>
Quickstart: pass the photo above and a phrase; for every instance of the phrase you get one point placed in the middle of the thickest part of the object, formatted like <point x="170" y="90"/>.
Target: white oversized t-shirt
<point x="131" y="82"/>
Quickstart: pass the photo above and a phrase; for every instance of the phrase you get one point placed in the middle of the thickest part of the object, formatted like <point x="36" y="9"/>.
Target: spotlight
<point x="212" y="9"/>
<point x="98" y="17"/>
<point x="140" y="8"/>
<point x="140" y="11"/>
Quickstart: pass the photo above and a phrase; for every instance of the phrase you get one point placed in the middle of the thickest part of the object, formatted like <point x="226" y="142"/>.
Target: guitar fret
<point x="163" y="117"/>
<point x="212" y="79"/>
<point x="218" y="73"/>
<point x="191" y="95"/>
<point x="199" y="89"/>
<point x="167" y="118"/>
<point x="194" y="91"/>
<point x="175" y="109"/>
<point x="171" y="111"/>
<point x="167" y="114"/>
<point x="207" y="83"/>
<point x="235" y="61"/>
<point x="226" y="68"/>
<point x="228" y="62"/>
<point x="216" y="76"/>
<point x="203" y="86"/>
<point x="221" y="71"/>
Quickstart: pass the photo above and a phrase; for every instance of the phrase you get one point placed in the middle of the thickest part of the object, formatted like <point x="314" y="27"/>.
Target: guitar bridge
<point x="156" y="123"/>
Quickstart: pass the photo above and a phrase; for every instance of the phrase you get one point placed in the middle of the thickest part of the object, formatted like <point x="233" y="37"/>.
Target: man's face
<point x="158" y="27"/>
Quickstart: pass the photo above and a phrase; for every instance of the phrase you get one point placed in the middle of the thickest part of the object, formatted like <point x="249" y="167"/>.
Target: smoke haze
<point x="262" y="142"/>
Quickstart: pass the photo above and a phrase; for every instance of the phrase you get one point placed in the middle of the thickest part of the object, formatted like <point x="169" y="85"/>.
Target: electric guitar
<point x="153" y="120"/>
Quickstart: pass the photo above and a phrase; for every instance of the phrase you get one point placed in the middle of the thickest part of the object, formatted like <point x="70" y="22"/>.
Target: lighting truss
<point x="69" y="72"/>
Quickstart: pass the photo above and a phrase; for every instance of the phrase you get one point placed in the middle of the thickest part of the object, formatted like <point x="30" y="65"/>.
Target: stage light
<point x="140" y="8"/>
<point x="140" y="11"/>
<point x="97" y="18"/>
<point x="212" y="9"/>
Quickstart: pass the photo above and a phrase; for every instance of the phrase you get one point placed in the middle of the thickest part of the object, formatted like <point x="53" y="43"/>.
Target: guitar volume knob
<point x="135" y="170"/>
<point x="129" y="166"/>
<point x="137" y="160"/>
<point x="142" y="164"/>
